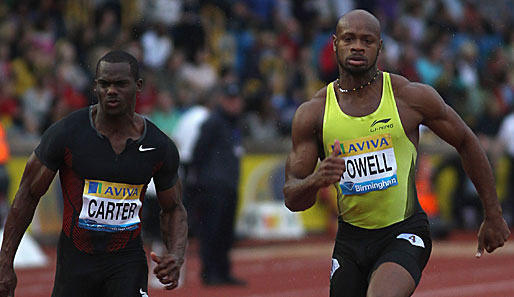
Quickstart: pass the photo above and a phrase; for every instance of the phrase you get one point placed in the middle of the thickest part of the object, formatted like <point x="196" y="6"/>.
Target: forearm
<point x="18" y="220"/>
<point x="174" y="230"/>
<point x="300" y="194"/>
<point x="477" y="167"/>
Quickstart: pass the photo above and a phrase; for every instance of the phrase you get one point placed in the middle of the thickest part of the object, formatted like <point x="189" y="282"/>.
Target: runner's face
<point x="357" y="46"/>
<point x="116" y="88"/>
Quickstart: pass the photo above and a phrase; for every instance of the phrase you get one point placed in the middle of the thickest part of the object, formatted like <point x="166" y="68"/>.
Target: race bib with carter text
<point x="110" y="207"/>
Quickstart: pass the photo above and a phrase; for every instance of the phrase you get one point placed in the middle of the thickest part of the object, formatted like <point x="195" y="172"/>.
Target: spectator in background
<point x="215" y="165"/>
<point x="263" y="11"/>
<point x="10" y="109"/>
<point x="430" y="68"/>
<point x="185" y="136"/>
<point x="169" y="78"/>
<point x="167" y="12"/>
<point x="5" y="154"/>
<point x="157" y="46"/>
<point x="198" y="73"/>
<point x="5" y="62"/>
<point x="407" y="65"/>
<point x="72" y="73"/>
<point x="108" y="27"/>
<point x="467" y="67"/>
<point x="73" y="84"/>
<point x="37" y="103"/>
<point x="442" y="18"/>
<point x="23" y="68"/>
<point x="261" y="123"/>
<point x="496" y="79"/>
<point x="147" y="98"/>
<point x="164" y="114"/>
<point x="9" y="105"/>
<point x="413" y="18"/>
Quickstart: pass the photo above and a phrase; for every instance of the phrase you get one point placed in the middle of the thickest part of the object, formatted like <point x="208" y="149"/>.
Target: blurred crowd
<point x="279" y="52"/>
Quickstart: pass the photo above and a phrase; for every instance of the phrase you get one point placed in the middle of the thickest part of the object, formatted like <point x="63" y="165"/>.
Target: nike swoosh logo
<point x="144" y="149"/>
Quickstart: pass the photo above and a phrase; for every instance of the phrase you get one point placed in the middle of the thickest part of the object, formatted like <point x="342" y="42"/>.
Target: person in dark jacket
<point x="215" y="168"/>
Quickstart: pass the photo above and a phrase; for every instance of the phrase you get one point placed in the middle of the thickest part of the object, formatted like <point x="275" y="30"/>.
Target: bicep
<point x="303" y="157"/>
<point x="167" y="175"/>
<point x="443" y="120"/>
<point x="36" y="177"/>
<point x="170" y="198"/>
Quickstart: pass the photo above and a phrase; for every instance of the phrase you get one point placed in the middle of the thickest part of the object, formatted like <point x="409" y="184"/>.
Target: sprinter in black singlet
<point x="106" y="155"/>
<point x="364" y="126"/>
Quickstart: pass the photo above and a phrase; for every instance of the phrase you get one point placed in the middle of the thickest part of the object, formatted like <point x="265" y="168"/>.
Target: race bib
<point x="370" y="164"/>
<point x="412" y="238"/>
<point x="110" y="207"/>
<point x="335" y="266"/>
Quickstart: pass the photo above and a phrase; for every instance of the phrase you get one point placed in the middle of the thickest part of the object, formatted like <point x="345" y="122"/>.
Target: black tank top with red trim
<point x="102" y="191"/>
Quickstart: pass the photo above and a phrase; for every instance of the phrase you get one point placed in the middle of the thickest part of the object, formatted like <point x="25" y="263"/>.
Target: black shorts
<point x="115" y="274"/>
<point x="358" y="252"/>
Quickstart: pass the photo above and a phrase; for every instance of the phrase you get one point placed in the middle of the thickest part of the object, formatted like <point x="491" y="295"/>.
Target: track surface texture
<point x="301" y="268"/>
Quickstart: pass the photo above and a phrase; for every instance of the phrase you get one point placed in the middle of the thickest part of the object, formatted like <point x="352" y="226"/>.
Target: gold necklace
<point x="359" y="87"/>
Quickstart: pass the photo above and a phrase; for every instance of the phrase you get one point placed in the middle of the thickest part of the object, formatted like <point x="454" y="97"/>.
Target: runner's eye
<point x="103" y="84"/>
<point x="122" y="83"/>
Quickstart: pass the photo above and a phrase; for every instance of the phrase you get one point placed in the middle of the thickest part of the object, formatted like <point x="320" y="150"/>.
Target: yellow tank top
<point x="378" y="187"/>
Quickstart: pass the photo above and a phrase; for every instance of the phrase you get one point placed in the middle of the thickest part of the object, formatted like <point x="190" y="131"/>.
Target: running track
<point x="301" y="269"/>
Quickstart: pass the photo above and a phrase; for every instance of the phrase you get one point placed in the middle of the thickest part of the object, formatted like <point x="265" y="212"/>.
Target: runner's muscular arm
<point x="302" y="182"/>
<point x="448" y="125"/>
<point x="174" y="234"/>
<point x="34" y="183"/>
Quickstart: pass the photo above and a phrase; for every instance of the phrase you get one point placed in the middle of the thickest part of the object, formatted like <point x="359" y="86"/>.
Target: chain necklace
<point x="359" y="87"/>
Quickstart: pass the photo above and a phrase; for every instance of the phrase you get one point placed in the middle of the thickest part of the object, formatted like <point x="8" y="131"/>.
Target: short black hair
<point x="121" y="57"/>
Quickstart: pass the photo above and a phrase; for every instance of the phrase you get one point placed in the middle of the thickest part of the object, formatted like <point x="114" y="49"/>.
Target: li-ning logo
<point x="378" y="128"/>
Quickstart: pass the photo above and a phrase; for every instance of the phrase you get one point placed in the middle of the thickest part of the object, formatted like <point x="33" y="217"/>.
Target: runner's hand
<point x="8" y="282"/>
<point x="331" y="168"/>
<point x="167" y="270"/>
<point x="493" y="234"/>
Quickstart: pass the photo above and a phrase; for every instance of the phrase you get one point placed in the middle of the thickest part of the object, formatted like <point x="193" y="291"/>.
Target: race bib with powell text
<point x="370" y="164"/>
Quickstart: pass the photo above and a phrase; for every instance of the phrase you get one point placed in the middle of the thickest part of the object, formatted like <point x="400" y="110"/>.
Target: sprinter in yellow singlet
<point x="364" y="126"/>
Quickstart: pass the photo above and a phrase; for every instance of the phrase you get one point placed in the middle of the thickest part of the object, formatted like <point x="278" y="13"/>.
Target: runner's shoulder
<point x="71" y="124"/>
<point x="314" y="106"/>
<point x="419" y="97"/>
<point x="406" y="89"/>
